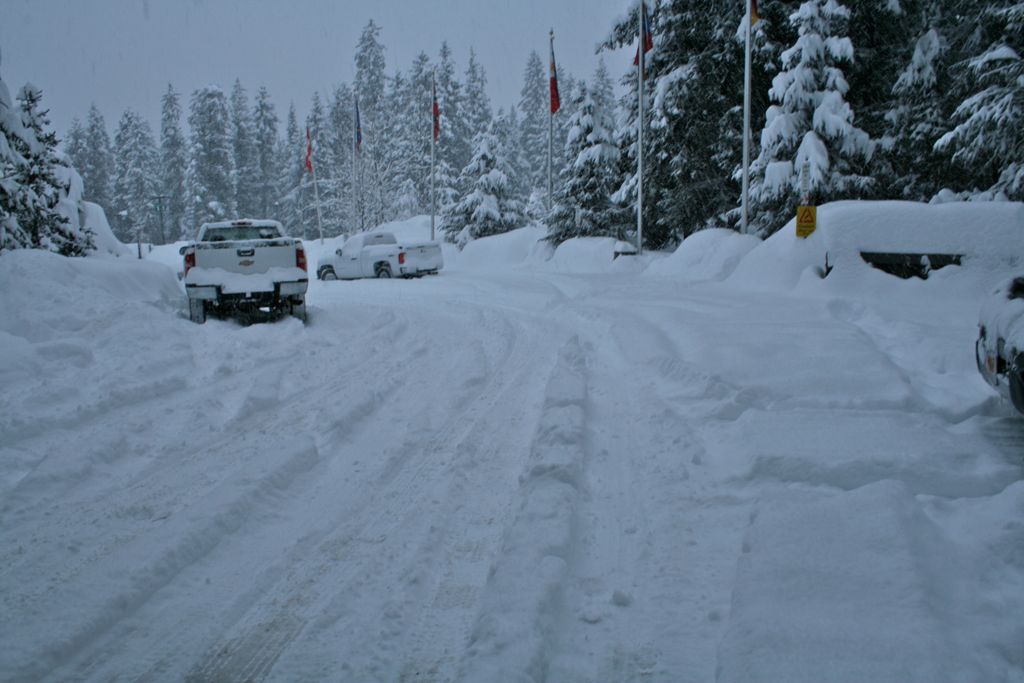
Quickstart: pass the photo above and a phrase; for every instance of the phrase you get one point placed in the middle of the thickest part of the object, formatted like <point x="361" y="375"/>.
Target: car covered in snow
<point x="999" y="350"/>
<point x="380" y="254"/>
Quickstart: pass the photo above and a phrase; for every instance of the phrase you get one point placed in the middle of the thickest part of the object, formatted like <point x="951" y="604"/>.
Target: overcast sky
<point x="123" y="53"/>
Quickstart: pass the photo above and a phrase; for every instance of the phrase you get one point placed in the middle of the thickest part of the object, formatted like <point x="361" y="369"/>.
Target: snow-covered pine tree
<point x="455" y="145"/>
<point x="242" y="142"/>
<point x="291" y="157"/>
<point x="988" y="138"/>
<point x="74" y="142"/>
<point x="477" y="104"/>
<point x="370" y="89"/>
<point x="534" y="109"/>
<point x="97" y="166"/>
<point x="583" y="206"/>
<point x="173" y="163"/>
<point x="489" y="207"/>
<point x="39" y="217"/>
<point x="419" y="126"/>
<point x="13" y="196"/>
<point x="399" y="156"/>
<point x="135" y="180"/>
<point x="208" y="180"/>
<point x="811" y="124"/>
<point x="336" y="150"/>
<point x="265" y="153"/>
<point x="506" y="127"/>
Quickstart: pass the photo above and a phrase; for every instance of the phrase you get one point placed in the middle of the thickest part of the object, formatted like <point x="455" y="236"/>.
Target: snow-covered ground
<point x="707" y="466"/>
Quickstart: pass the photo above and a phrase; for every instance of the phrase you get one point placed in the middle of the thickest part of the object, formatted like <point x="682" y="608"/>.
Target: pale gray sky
<point x="122" y="53"/>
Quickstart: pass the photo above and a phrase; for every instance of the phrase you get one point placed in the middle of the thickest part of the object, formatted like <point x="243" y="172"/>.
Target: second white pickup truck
<point x="379" y="254"/>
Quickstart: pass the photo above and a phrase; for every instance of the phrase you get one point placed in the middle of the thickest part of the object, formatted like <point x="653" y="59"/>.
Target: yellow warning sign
<point x="806" y="220"/>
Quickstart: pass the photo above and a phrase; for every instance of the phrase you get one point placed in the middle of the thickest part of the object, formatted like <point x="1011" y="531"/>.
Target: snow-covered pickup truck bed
<point x="379" y="254"/>
<point x="245" y="267"/>
<point x="1000" y="346"/>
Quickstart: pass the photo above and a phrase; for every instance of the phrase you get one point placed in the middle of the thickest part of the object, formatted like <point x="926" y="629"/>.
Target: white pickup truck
<point x="379" y="254"/>
<point x="247" y="268"/>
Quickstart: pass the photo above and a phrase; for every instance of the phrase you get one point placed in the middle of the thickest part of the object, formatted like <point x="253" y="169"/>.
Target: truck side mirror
<point x="182" y="250"/>
<point x="338" y="252"/>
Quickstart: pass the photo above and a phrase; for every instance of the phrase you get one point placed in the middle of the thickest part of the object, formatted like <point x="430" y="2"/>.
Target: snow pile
<point x="94" y="218"/>
<point x="1003" y="316"/>
<point x="594" y="255"/>
<point x="508" y="250"/>
<point x="706" y="255"/>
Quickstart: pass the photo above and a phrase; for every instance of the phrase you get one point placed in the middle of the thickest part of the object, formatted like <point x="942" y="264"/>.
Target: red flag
<point x="754" y="16"/>
<point x="556" y="101"/>
<point x="309" y="151"/>
<point x="647" y="38"/>
<point x="436" y="112"/>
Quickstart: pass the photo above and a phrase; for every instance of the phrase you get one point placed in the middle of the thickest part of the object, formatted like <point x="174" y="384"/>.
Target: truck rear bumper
<point x="282" y="292"/>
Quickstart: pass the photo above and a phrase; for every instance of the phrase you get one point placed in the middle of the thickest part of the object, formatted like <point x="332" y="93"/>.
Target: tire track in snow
<point x="524" y="591"/>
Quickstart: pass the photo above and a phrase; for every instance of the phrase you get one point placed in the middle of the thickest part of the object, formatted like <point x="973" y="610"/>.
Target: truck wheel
<point x="327" y="274"/>
<point x="299" y="310"/>
<point x="1015" y="375"/>
<point x="384" y="271"/>
<point x="197" y="311"/>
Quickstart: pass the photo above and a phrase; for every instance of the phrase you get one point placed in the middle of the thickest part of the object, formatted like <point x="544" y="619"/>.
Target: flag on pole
<point x="436" y="110"/>
<point x="556" y="102"/>
<point x="645" y="32"/>
<point x="754" y="16"/>
<point x="309" y="151"/>
<point x="359" y="130"/>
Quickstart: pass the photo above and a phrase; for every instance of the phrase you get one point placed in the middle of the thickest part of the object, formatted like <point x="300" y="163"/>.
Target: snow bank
<point x="511" y="249"/>
<point x="706" y="255"/>
<point x="594" y="255"/>
<point x="95" y="219"/>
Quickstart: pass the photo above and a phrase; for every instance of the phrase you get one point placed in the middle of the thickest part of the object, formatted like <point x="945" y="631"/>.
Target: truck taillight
<point x="300" y="257"/>
<point x="401" y="258"/>
<point x="190" y="260"/>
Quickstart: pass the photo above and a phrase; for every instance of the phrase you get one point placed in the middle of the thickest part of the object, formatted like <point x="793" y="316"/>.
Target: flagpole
<point x="316" y="193"/>
<point x="746" y="121"/>
<point x="551" y="121"/>
<point x="433" y="129"/>
<point x="640" y="133"/>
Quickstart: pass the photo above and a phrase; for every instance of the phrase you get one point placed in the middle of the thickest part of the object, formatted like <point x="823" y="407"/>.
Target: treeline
<point x="238" y="158"/>
<point x="893" y="99"/>
<point x="904" y="99"/>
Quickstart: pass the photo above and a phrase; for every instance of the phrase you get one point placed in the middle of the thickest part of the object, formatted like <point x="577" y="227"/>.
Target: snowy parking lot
<point x="507" y="474"/>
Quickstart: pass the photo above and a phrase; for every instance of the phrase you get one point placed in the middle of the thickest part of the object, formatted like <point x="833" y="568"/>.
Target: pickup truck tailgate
<point x="424" y="256"/>
<point x="242" y="258"/>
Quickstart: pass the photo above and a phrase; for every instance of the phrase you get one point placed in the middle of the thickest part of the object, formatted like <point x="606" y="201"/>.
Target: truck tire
<point x="298" y="310"/>
<point x="1015" y="376"/>
<point x="197" y="311"/>
<point x="383" y="270"/>
<point x="327" y="273"/>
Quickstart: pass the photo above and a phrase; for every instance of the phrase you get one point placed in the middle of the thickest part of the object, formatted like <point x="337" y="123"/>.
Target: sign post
<point x="806" y="213"/>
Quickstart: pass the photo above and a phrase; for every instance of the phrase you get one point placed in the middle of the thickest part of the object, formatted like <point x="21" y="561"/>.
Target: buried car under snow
<point x="1000" y="347"/>
<point x="379" y="254"/>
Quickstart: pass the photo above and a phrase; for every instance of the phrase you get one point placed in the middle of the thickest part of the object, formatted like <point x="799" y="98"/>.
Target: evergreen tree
<point x="291" y="157"/>
<point x="307" y="194"/>
<point x="97" y="166"/>
<point x="454" y="147"/>
<point x="988" y="138"/>
<point x="489" y="207"/>
<point x="584" y="206"/>
<point x="243" y="143"/>
<point x="40" y="176"/>
<point x="208" y="179"/>
<point x="507" y="130"/>
<point x="173" y="163"/>
<point x="265" y="155"/>
<point x="74" y="143"/>
<point x="337" y="149"/>
<point x="135" y="180"/>
<point x="477" y="104"/>
<point x="370" y="84"/>
<point x="810" y="127"/>
<point x="534" y="108"/>
<point x="14" y="197"/>
<point x="419" y="126"/>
